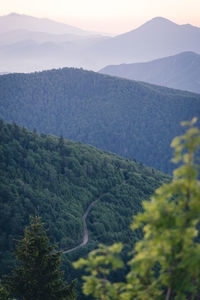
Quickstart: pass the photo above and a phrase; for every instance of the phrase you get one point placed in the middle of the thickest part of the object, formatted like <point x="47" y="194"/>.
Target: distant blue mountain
<point x="15" y="21"/>
<point x="157" y="38"/>
<point x="63" y="45"/>
<point x="30" y="44"/>
<point x="181" y="71"/>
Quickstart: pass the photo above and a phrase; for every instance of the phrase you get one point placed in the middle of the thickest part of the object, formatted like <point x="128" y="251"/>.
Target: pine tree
<point x="37" y="275"/>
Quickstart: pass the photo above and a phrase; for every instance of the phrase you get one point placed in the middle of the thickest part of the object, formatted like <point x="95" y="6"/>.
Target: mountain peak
<point x="160" y="21"/>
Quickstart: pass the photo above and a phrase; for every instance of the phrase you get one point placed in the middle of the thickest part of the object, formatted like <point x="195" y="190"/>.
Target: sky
<point x="112" y="16"/>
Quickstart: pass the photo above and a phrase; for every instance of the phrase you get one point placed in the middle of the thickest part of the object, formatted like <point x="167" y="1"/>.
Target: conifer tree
<point x="37" y="275"/>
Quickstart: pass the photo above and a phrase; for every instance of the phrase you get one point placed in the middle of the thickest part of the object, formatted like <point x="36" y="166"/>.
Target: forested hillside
<point x="132" y="119"/>
<point x="58" y="179"/>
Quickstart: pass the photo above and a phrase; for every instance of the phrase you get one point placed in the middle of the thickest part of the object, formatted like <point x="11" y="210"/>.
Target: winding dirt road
<point x="85" y="234"/>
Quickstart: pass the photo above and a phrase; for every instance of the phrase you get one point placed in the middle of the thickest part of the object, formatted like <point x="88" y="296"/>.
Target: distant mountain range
<point x="30" y="44"/>
<point x="15" y="21"/>
<point x="64" y="45"/>
<point x="20" y="35"/>
<point x="133" y="119"/>
<point x="181" y="71"/>
<point x="157" y="38"/>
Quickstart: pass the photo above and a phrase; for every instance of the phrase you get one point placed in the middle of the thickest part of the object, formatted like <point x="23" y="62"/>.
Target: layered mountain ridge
<point x="133" y="119"/>
<point x="181" y="71"/>
<point x="156" y="38"/>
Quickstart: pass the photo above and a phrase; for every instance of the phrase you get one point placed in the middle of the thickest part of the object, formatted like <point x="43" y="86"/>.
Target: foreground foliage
<point x="166" y="262"/>
<point x="37" y="274"/>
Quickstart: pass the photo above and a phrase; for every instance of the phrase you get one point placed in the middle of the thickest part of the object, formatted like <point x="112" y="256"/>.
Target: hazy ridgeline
<point x="181" y="71"/>
<point x="29" y="44"/>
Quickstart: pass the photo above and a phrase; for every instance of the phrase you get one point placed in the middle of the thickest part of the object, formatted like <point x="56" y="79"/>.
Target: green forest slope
<point x="59" y="179"/>
<point x="133" y="119"/>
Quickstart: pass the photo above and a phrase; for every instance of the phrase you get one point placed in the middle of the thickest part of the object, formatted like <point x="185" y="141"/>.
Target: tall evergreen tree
<point x="37" y="275"/>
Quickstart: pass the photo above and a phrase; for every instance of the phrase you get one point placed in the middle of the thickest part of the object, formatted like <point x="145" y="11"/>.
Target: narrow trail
<point x="85" y="233"/>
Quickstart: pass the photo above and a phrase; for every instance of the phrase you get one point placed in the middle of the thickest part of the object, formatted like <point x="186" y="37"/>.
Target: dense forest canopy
<point x="58" y="179"/>
<point x="133" y="119"/>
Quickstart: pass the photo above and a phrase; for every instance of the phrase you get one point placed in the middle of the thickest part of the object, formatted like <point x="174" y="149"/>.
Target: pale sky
<point x="113" y="16"/>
